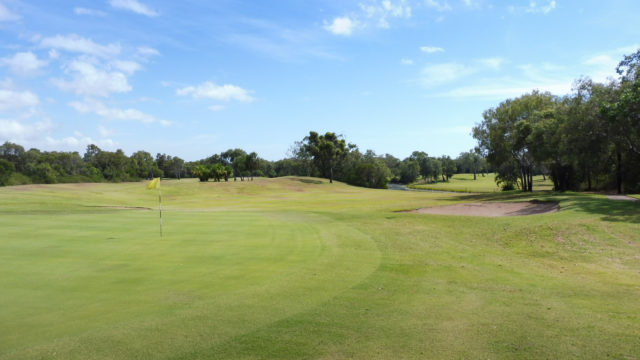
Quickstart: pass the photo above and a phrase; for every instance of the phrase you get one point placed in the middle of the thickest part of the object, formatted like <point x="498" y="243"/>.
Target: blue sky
<point x="193" y="78"/>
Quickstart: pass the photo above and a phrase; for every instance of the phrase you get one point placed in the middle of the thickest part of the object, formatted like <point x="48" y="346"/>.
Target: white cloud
<point x="431" y="49"/>
<point x="210" y="90"/>
<point x="78" y="44"/>
<point x="23" y="63"/>
<point x="7" y="15"/>
<point x="128" y="67"/>
<point x="134" y="6"/>
<point x="89" y="12"/>
<point x="78" y="140"/>
<point x="602" y="66"/>
<point x="381" y="11"/>
<point x="104" y="132"/>
<point x="343" y="26"/>
<point x="406" y="62"/>
<point x="146" y="51"/>
<point x="13" y="100"/>
<point x="16" y="131"/>
<point x="439" y="74"/>
<point x="493" y="63"/>
<point x="216" y="107"/>
<point x="89" y="80"/>
<point x="91" y="106"/>
<point x="507" y="89"/>
<point x="438" y="5"/>
<point x="474" y="4"/>
<point x="537" y="8"/>
<point x="54" y="54"/>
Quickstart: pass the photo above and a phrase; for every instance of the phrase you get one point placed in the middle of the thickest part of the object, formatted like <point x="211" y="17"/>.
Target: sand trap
<point x="493" y="209"/>
<point x="621" y="197"/>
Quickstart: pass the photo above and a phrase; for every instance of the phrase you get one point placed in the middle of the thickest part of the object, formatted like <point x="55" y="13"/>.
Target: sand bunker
<point x="493" y="209"/>
<point x="621" y="197"/>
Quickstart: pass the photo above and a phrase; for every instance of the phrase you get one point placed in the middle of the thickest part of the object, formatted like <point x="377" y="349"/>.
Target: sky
<point x="192" y="78"/>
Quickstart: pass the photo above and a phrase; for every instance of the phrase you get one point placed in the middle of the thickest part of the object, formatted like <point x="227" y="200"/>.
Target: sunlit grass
<point x="482" y="184"/>
<point x="286" y="269"/>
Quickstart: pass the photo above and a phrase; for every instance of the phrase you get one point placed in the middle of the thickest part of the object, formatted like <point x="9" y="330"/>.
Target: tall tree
<point x="327" y="150"/>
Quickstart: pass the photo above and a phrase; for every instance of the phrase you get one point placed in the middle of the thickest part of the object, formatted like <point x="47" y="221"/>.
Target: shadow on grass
<point x="607" y="209"/>
<point x="307" y="181"/>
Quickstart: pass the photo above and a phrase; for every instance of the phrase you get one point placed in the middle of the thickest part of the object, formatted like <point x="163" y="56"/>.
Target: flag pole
<point x="160" y="208"/>
<point x="155" y="184"/>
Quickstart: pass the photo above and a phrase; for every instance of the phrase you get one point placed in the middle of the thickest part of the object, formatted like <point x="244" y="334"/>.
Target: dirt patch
<point x="493" y="209"/>
<point x="621" y="197"/>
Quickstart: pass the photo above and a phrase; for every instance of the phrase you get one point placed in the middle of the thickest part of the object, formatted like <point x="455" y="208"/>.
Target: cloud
<point x="78" y="44"/>
<point x="537" y="8"/>
<point x="89" y="80"/>
<point x="7" y="15"/>
<point x="439" y="74"/>
<point x="371" y="13"/>
<point x="134" y="6"/>
<point x="88" y="12"/>
<point x="493" y="63"/>
<point x="14" y="100"/>
<point x="23" y="63"/>
<point x="474" y="4"/>
<point x="209" y="90"/>
<point x="146" y="51"/>
<point x="342" y="26"/>
<point x="440" y="6"/>
<point x="431" y="49"/>
<point x="381" y="11"/>
<point x="216" y="107"/>
<point x="91" y="106"/>
<point x="128" y="67"/>
<point x="602" y="66"/>
<point x="79" y="140"/>
<point x="16" y="131"/>
<point x="406" y="62"/>
<point x="104" y="132"/>
<point x="507" y="89"/>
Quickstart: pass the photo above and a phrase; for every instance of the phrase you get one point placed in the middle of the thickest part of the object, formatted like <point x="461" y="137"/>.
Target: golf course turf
<point x="292" y="268"/>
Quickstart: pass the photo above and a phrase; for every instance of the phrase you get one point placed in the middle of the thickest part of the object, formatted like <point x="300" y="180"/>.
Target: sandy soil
<point x="492" y="209"/>
<point x="621" y="197"/>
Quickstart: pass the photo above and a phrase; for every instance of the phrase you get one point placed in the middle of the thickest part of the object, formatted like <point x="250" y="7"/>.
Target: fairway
<point x="292" y="268"/>
<point x="482" y="184"/>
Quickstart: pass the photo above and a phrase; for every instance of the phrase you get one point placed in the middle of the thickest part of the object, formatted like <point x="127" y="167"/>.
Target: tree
<point x="448" y="167"/>
<point x="6" y="170"/>
<point x="327" y="150"/>
<point x="301" y="152"/>
<point x="505" y="134"/>
<point x="409" y="171"/>
<point x="251" y="163"/>
<point x="202" y="172"/>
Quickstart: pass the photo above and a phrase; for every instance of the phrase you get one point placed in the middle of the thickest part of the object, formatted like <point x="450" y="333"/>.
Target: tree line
<point x="588" y="140"/>
<point x="327" y="155"/>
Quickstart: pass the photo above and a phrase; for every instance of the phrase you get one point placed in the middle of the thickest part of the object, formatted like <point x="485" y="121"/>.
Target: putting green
<point x="288" y="268"/>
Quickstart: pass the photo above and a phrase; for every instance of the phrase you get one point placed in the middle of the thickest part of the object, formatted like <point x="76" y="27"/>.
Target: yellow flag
<point x="154" y="184"/>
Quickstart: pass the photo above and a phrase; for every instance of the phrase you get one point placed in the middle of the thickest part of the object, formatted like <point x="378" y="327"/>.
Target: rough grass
<point x="287" y="269"/>
<point x="482" y="184"/>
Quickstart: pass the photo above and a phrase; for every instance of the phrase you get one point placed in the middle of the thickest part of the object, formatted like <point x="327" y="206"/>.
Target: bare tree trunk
<point x="331" y="175"/>
<point x="619" y="172"/>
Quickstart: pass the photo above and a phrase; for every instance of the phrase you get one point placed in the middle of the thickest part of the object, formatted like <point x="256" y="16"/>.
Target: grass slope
<point x="290" y="268"/>
<point x="482" y="184"/>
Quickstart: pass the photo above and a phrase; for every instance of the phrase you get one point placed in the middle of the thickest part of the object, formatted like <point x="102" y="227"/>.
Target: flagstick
<point x="160" y="207"/>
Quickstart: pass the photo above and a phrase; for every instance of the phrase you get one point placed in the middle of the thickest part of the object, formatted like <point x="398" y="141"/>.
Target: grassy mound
<point x="292" y="268"/>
